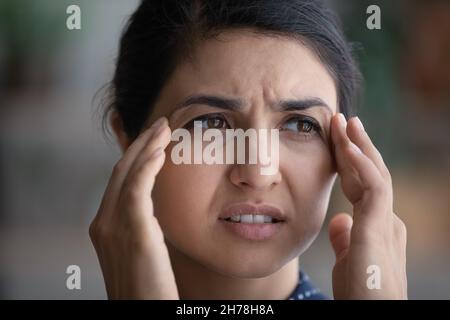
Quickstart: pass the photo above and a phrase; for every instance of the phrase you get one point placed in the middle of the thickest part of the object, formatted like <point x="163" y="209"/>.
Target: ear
<point x="118" y="128"/>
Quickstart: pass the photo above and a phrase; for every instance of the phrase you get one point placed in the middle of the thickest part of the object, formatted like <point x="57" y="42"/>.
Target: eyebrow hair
<point x="213" y="101"/>
<point x="236" y="104"/>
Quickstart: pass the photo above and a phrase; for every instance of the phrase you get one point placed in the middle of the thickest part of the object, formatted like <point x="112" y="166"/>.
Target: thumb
<point x="339" y="233"/>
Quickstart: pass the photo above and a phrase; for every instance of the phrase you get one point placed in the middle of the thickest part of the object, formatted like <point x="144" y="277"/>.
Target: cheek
<point x="310" y="176"/>
<point x="310" y="169"/>
<point x="182" y="197"/>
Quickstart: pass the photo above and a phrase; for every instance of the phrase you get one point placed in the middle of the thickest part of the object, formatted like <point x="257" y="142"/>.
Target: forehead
<point x="252" y="67"/>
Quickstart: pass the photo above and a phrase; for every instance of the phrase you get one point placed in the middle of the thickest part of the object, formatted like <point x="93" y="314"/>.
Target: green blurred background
<point x="55" y="161"/>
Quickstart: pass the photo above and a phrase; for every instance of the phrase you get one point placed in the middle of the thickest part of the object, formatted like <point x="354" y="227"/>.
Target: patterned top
<point x="305" y="290"/>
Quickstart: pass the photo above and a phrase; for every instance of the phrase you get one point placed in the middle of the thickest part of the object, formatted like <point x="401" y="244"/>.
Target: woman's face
<point x="260" y="71"/>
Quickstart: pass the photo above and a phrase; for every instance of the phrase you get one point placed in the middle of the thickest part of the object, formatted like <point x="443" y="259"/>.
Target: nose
<point x="248" y="176"/>
<point x="254" y="175"/>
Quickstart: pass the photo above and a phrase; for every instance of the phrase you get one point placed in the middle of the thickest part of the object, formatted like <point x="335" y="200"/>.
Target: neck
<point x="195" y="281"/>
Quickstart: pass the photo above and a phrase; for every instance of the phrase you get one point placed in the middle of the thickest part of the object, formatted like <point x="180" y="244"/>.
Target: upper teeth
<point x="251" y="218"/>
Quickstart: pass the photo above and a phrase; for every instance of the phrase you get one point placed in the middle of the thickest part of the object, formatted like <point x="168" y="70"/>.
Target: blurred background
<point x="55" y="160"/>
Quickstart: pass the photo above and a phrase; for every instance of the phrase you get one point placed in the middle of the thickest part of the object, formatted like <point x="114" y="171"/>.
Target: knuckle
<point x="118" y="167"/>
<point x="386" y="174"/>
<point x="379" y="187"/>
<point x="401" y="227"/>
<point x="98" y="232"/>
<point x="130" y="193"/>
<point x="92" y="230"/>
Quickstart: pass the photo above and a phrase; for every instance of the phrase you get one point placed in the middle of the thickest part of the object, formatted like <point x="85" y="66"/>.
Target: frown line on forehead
<point x="236" y="104"/>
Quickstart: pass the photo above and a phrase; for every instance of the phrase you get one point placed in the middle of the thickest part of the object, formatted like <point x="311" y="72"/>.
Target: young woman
<point x="168" y="231"/>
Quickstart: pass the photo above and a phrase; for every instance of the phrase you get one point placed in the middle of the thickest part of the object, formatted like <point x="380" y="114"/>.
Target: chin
<point x="250" y="268"/>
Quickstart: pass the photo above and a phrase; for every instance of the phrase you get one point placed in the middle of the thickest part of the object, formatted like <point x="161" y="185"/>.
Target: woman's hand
<point x="372" y="243"/>
<point x="125" y="233"/>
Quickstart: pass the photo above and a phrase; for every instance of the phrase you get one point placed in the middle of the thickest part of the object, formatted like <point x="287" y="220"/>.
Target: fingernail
<point x="355" y="147"/>
<point x="158" y="122"/>
<point x="359" y="124"/>
<point x="159" y="125"/>
<point x="342" y="120"/>
<point x="157" y="153"/>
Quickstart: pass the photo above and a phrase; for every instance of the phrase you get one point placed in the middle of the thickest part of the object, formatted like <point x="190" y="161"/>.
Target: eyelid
<point x="313" y="121"/>
<point x="190" y="123"/>
<point x="316" y="124"/>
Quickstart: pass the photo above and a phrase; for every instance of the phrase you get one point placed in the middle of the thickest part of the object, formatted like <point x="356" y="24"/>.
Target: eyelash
<point x="314" y="126"/>
<point x="313" y="129"/>
<point x="207" y="117"/>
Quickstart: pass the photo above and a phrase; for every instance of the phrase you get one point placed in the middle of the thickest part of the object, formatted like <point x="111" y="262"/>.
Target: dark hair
<point x="160" y="32"/>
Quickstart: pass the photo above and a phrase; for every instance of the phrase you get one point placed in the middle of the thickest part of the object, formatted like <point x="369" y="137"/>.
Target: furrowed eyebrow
<point x="237" y="104"/>
<point x="213" y="101"/>
<point x="303" y="104"/>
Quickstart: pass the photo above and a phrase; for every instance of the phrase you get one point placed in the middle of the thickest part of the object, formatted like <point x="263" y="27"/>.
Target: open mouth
<point x="252" y="219"/>
<point x="254" y="215"/>
<point x="253" y="222"/>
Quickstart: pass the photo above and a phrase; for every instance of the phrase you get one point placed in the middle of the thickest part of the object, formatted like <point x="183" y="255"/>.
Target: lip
<point x="247" y="208"/>
<point x="253" y="231"/>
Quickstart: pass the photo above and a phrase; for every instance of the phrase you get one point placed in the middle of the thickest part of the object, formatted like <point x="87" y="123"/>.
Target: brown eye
<point x="215" y="123"/>
<point x="212" y="121"/>
<point x="304" y="126"/>
<point x="301" y="125"/>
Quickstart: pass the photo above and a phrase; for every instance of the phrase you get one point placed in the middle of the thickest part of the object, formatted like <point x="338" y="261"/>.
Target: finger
<point x="136" y="147"/>
<point x="149" y="162"/>
<point x="122" y="167"/>
<point x="352" y="157"/>
<point x="371" y="191"/>
<point x="357" y="134"/>
<point x="341" y="141"/>
<point x="339" y="231"/>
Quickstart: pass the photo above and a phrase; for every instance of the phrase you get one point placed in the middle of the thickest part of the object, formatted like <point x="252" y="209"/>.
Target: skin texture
<point x="157" y="233"/>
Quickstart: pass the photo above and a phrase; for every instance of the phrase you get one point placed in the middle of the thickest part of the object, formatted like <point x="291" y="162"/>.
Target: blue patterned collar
<point x="305" y="290"/>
